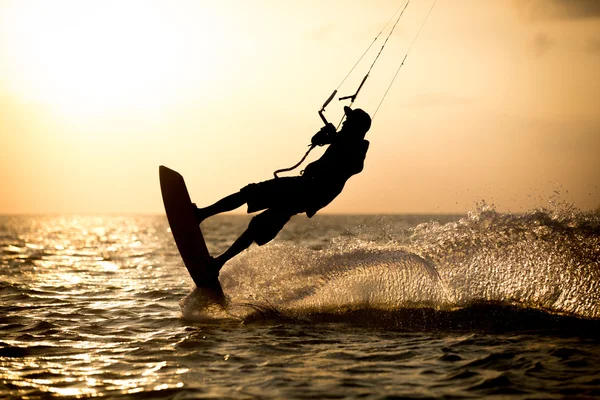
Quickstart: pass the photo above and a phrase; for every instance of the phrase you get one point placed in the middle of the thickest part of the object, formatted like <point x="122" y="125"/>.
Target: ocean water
<point x="484" y="305"/>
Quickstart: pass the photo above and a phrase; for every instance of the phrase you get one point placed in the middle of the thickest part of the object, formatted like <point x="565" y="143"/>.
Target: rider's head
<point x="357" y="122"/>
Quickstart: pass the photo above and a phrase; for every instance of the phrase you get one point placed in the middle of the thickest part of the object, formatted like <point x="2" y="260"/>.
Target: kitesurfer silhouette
<point x="281" y="198"/>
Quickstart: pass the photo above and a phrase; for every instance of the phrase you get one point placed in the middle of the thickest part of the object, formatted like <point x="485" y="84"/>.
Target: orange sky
<point x="498" y="101"/>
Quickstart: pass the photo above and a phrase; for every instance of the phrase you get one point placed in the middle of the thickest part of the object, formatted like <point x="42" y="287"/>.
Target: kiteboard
<point x="186" y="231"/>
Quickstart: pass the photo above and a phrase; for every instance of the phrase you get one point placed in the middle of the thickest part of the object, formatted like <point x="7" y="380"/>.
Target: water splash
<point x="547" y="259"/>
<point x="543" y="260"/>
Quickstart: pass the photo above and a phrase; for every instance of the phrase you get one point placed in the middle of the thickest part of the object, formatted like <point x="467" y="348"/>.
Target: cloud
<point x="535" y="10"/>
<point x="593" y="45"/>
<point x="540" y="44"/>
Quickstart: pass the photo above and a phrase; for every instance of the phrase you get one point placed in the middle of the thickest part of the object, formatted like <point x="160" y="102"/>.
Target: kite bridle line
<point x="404" y="59"/>
<point x="352" y="98"/>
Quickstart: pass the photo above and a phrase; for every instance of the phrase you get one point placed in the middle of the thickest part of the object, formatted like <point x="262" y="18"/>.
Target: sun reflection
<point x="69" y="278"/>
<point x="107" y="266"/>
<point x="161" y="387"/>
<point x="72" y="391"/>
<point x="78" y="353"/>
<point x="154" y="368"/>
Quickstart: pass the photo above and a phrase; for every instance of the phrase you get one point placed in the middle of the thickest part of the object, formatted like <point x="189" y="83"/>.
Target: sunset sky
<point x="499" y="101"/>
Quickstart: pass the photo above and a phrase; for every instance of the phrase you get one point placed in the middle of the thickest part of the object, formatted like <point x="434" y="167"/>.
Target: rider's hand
<point x="321" y="138"/>
<point x="329" y="128"/>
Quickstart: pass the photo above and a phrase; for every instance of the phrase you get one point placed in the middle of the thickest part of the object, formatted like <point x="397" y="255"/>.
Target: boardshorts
<point x="292" y="193"/>
<point x="283" y="198"/>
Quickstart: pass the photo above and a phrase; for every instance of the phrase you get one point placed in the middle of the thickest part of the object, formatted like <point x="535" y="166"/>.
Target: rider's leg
<point x="262" y="229"/>
<point x="241" y="244"/>
<point x="228" y="203"/>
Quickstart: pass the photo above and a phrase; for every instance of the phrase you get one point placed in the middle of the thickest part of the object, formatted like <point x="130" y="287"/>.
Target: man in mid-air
<point x="281" y="198"/>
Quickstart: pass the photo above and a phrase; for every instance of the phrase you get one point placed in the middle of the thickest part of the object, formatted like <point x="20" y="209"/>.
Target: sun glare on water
<point x="95" y="58"/>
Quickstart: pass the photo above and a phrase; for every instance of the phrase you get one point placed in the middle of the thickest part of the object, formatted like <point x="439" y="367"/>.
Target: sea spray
<point x="542" y="260"/>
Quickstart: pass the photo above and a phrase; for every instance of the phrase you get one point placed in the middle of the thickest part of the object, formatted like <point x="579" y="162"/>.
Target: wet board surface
<point x="185" y="229"/>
